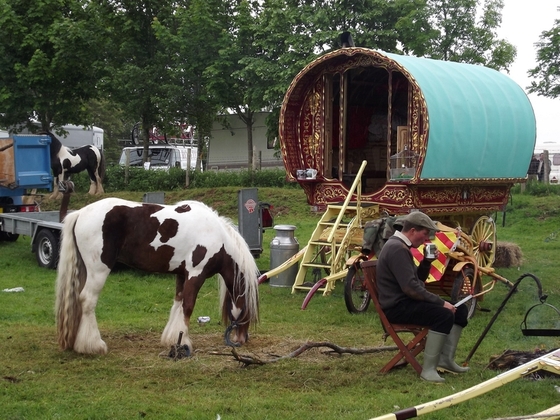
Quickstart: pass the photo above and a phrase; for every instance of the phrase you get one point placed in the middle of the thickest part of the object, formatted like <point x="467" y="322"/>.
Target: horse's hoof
<point x="177" y="352"/>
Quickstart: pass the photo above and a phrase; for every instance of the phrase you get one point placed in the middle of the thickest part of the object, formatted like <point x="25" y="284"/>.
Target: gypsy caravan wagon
<point x="367" y="133"/>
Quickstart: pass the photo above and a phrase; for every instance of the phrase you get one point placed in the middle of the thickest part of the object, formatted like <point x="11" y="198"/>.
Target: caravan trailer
<point x="76" y="135"/>
<point x="553" y="150"/>
<point x="432" y="133"/>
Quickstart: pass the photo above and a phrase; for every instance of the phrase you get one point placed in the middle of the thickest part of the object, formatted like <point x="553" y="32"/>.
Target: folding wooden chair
<point x="407" y="352"/>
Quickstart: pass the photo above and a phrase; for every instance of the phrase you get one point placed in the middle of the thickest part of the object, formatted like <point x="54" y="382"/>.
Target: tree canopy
<point x="50" y="56"/>
<point x="547" y="72"/>
<point x="456" y="30"/>
<point x="164" y="62"/>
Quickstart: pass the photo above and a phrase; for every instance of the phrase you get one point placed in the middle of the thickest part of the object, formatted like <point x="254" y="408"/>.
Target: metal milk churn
<point x="282" y="248"/>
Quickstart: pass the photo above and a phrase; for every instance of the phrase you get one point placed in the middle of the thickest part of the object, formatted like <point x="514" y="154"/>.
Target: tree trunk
<point x="146" y="129"/>
<point x="249" y="123"/>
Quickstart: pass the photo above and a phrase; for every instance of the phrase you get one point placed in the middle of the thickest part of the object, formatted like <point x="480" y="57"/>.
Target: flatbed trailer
<point x="24" y="166"/>
<point x="43" y="227"/>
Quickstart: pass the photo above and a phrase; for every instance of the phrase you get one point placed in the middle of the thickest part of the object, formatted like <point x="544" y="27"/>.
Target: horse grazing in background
<point x="66" y="161"/>
<point x="187" y="239"/>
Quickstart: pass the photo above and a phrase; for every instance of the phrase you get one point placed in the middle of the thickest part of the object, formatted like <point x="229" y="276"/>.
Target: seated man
<point x="405" y="300"/>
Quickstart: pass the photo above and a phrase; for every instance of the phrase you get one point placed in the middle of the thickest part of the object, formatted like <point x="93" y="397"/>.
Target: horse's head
<point x="238" y="314"/>
<point x="55" y="146"/>
<point x="241" y="302"/>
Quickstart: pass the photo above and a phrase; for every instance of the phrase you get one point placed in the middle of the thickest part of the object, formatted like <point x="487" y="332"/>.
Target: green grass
<point x="38" y="381"/>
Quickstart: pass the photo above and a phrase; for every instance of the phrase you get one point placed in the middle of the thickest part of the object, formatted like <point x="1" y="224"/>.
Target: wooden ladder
<point x="330" y="241"/>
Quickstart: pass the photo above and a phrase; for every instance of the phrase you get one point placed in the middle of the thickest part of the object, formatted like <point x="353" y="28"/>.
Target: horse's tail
<point x="69" y="282"/>
<point x="248" y="272"/>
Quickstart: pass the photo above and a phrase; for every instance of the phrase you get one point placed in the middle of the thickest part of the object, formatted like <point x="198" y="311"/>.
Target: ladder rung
<point x="317" y="265"/>
<point x="332" y="224"/>
<point x="320" y="243"/>
<point x="339" y="207"/>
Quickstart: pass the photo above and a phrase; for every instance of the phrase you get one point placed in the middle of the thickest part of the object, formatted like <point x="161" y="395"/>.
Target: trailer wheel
<point x="46" y="249"/>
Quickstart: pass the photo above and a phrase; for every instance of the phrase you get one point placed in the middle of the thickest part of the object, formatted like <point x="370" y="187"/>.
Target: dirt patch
<point x="211" y="345"/>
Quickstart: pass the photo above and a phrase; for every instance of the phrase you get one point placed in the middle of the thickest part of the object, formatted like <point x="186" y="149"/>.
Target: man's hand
<point x="449" y="306"/>
<point x="436" y="256"/>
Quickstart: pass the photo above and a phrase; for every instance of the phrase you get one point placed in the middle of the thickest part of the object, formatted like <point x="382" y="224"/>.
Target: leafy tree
<point x="140" y="67"/>
<point x="193" y="44"/>
<point x="454" y="30"/>
<point x="371" y="22"/>
<point x="116" y="126"/>
<point x="269" y="42"/>
<point x="230" y="79"/>
<point x="50" y="61"/>
<point x="547" y="72"/>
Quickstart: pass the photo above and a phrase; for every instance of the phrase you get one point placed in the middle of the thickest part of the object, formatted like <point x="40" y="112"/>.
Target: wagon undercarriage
<point x="334" y="253"/>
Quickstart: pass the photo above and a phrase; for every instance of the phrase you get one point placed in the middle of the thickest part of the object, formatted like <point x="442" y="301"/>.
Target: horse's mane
<point x="55" y="146"/>
<point x="247" y="266"/>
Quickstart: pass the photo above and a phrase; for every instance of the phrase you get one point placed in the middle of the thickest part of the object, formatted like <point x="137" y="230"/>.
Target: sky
<point x="522" y="23"/>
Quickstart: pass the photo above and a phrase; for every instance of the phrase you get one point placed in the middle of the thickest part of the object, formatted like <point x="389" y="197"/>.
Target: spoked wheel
<point x="356" y="296"/>
<point x="135" y="134"/>
<point x="463" y="286"/>
<point x="484" y="241"/>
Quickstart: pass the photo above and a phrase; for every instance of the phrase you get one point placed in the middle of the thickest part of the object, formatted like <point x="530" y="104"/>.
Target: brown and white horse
<point x="66" y="161"/>
<point x="188" y="239"/>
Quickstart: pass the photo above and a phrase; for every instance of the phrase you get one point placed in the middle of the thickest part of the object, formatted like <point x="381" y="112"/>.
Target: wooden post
<point x="546" y="163"/>
<point x="126" y="166"/>
<point x="254" y="158"/>
<point x="187" y="180"/>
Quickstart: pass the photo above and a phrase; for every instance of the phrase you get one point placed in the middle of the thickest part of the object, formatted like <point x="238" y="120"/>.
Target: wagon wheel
<point x="465" y="244"/>
<point x="483" y="236"/>
<point x="356" y="295"/>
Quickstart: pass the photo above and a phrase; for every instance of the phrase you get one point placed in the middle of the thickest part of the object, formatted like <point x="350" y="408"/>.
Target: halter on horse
<point x="187" y="239"/>
<point x="66" y="161"/>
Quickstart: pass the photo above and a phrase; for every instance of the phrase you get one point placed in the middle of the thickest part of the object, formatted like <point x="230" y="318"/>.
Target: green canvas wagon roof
<point x="481" y="123"/>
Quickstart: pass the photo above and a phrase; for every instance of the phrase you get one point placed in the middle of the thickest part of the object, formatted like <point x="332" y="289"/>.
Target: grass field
<point x="38" y="381"/>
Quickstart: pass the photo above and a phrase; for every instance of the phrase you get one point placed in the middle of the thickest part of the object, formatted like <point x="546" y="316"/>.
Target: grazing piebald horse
<point x="187" y="239"/>
<point x="66" y="161"/>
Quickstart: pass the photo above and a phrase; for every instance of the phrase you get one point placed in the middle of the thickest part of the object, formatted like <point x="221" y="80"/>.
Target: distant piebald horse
<point x="187" y="239"/>
<point x="66" y="161"/>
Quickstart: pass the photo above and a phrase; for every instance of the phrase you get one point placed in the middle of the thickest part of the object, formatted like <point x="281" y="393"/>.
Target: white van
<point x="554" y="158"/>
<point x="160" y="156"/>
